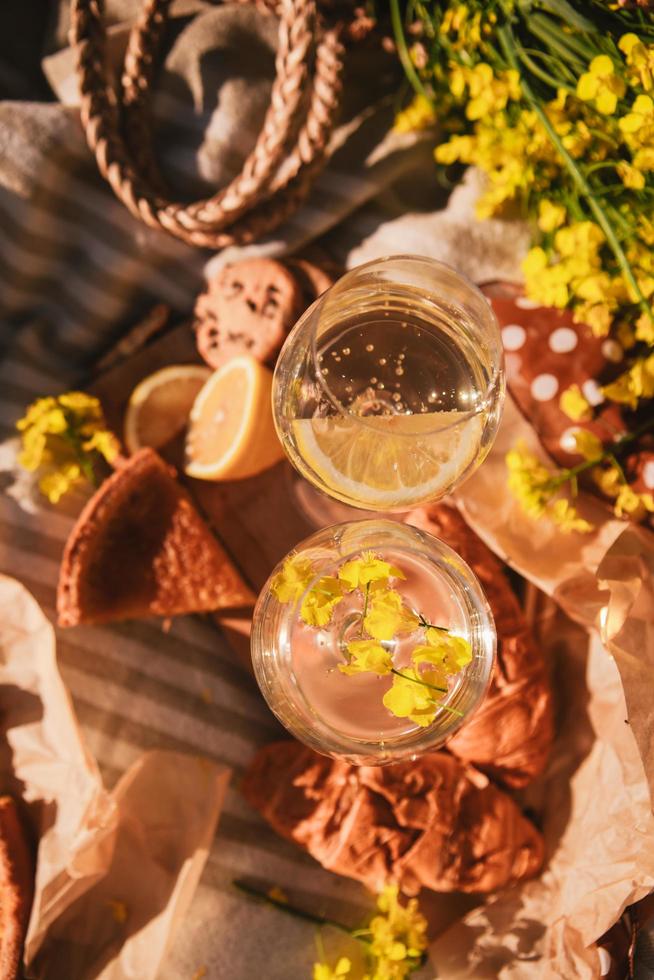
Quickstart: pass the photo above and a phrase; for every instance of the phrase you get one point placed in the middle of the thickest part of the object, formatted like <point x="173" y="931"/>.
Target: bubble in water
<point x="382" y="361"/>
<point x="348" y="389"/>
<point x="431" y="398"/>
<point x="325" y="371"/>
<point x="346" y="351"/>
<point x="370" y="347"/>
<point x="373" y="381"/>
<point x="399" y="371"/>
<point x="338" y="360"/>
<point x="380" y="386"/>
<point x="401" y="357"/>
<point x="396" y="396"/>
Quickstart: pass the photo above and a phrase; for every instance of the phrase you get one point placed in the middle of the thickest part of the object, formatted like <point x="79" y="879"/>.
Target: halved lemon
<point x="231" y="433"/>
<point x="387" y="462"/>
<point x="159" y="406"/>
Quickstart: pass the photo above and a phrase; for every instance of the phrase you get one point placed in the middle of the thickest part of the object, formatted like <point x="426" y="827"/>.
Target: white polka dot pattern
<point x="612" y="351"/>
<point x="544" y="387"/>
<point x="513" y="336"/>
<point x="592" y="392"/>
<point x="567" y="440"/>
<point x="648" y="474"/>
<point x="526" y="304"/>
<point x="563" y="340"/>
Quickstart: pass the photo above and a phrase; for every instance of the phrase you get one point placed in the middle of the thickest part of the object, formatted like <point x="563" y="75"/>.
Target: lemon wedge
<point x="159" y="406"/>
<point x="231" y="433"/>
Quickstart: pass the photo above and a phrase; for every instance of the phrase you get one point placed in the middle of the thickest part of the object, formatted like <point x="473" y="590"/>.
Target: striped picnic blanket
<point x="76" y="270"/>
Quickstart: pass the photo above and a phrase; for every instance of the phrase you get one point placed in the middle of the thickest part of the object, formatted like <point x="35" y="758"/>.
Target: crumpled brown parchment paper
<point x="594" y="799"/>
<point x="115" y="870"/>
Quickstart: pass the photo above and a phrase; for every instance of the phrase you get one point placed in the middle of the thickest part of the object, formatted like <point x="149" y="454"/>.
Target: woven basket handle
<point x="289" y="150"/>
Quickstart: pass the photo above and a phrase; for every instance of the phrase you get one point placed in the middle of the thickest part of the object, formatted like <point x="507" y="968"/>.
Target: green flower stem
<point x="542" y="73"/>
<point x="318" y="920"/>
<point x="403" y="51"/>
<point x="432" y="626"/>
<point x="82" y="457"/>
<point x="507" y="42"/>
<point x="365" y="610"/>
<point x="608" y="454"/>
<point x="398" y="673"/>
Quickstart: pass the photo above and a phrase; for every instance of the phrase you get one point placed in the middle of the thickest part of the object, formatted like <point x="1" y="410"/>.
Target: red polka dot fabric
<point x="546" y="353"/>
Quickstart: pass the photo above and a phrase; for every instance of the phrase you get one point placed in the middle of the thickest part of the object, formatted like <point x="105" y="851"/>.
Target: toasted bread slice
<point x="140" y="548"/>
<point x="16" y="889"/>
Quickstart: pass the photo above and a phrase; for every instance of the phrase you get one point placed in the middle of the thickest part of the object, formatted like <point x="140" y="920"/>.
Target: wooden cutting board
<point x="257" y="520"/>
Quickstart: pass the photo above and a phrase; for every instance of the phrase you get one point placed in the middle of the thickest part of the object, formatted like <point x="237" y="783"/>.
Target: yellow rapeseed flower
<point x="56" y="483"/>
<point x="597" y="316"/>
<point x="419" y="114"/>
<point x="528" y="479"/>
<point x="322" y="971"/>
<point x="635" y="383"/>
<point x="410" y="698"/>
<point x="444" y="650"/>
<point x="630" y="176"/>
<point x="637" y="124"/>
<point x="359" y="572"/>
<point x="320" y="601"/>
<point x="387" y="615"/>
<point x="565" y="516"/>
<point x="640" y="60"/>
<point x="601" y="85"/>
<point x="550" y="215"/>
<point x="645" y="328"/>
<point x="628" y="503"/>
<point x="575" y="405"/>
<point x="367" y="656"/>
<point x="587" y="444"/>
<point x="290" y="583"/>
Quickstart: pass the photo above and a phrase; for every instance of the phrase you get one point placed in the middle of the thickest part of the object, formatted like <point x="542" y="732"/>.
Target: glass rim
<point x="346" y="412"/>
<point x="329" y="740"/>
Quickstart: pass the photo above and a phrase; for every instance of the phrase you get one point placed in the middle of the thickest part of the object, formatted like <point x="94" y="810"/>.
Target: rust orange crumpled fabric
<point x="511" y="733"/>
<point x="432" y="823"/>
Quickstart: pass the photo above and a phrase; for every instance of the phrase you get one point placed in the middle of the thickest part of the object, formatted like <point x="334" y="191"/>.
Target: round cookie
<point x="247" y="308"/>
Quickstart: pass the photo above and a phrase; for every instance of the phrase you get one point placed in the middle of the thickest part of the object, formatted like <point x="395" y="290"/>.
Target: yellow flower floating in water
<point x="387" y="616"/>
<point x="384" y="616"/>
<point x="413" y="695"/>
<point x="319" y="603"/>
<point x="64" y="436"/>
<point x="367" y="569"/>
<point x="290" y="583"/>
<point x="367" y="656"/>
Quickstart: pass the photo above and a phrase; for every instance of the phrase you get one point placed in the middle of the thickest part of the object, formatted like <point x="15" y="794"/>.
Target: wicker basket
<point x="295" y="131"/>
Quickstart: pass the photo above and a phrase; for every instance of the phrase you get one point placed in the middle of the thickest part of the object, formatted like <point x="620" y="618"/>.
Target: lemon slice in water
<point x="387" y="462"/>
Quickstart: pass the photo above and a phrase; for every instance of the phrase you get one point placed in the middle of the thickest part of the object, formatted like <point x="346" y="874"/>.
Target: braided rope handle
<point x="290" y="149"/>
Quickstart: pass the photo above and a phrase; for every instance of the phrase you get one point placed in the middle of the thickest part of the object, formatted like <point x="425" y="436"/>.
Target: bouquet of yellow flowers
<point x="554" y="101"/>
<point x="63" y="438"/>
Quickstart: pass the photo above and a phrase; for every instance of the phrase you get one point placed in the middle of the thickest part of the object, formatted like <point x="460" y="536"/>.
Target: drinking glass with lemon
<point x="388" y="391"/>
